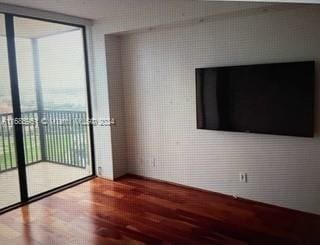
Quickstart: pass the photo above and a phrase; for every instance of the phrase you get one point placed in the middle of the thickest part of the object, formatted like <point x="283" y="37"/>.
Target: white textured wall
<point x="150" y="15"/>
<point x="159" y="91"/>
<point x="116" y="105"/>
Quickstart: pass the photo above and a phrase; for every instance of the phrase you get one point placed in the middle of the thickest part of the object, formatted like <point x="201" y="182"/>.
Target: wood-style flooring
<point x="134" y="210"/>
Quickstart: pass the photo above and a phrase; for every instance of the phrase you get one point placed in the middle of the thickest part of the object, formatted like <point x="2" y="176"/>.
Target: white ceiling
<point x="270" y="1"/>
<point x="96" y="9"/>
<point x="30" y="28"/>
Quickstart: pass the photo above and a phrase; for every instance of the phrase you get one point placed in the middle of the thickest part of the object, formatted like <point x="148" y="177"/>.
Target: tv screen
<point x="269" y="98"/>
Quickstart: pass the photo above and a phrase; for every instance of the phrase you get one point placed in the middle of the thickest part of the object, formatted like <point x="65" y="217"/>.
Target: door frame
<point x="18" y="132"/>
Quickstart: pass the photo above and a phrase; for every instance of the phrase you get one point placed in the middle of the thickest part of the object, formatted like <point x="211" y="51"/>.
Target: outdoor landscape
<point x="63" y="92"/>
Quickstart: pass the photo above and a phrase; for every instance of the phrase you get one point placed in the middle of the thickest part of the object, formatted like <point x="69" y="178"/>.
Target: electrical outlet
<point x="153" y="162"/>
<point x="243" y="177"/>
<point x="99" y="170"/>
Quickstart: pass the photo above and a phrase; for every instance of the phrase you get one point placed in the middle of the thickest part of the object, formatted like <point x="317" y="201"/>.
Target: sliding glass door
<point x="9" y="177"/>
<point x="52" y="82"/>
<point x="52" y="89"/>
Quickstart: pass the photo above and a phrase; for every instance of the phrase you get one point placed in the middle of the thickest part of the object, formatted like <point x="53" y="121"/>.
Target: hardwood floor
<point x="133" y="210"/>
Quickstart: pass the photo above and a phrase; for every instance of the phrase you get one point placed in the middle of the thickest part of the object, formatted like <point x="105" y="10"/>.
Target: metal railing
<point x="59" y="137"/>
<point x="7" y="144"/>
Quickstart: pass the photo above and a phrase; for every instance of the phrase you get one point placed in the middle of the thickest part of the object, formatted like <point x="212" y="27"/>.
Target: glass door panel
<point x="53" y="95"/>
<point x="9" y="178"/>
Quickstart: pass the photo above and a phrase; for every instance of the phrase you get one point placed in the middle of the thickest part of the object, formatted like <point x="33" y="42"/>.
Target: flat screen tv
<point x="266" y="98"/>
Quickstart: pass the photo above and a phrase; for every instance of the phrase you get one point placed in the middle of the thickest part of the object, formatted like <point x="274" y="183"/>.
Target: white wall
<point x="159" y="94"/>
<point x="148" y="16"/>
<point x="116" y="105"/>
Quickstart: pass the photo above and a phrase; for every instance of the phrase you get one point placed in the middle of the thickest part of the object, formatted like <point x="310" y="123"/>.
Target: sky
<point x="62" y="71"/>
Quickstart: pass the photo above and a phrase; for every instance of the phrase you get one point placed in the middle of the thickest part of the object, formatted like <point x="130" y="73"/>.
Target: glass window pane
<point x="9" y="180"/>
<point x="52" y="83"/>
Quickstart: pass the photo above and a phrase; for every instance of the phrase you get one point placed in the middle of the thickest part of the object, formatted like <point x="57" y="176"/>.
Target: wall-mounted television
<point x="266" y="98"/>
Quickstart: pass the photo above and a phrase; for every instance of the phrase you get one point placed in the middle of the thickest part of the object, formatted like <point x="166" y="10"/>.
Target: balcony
<point x="44" y="81"/>
<point x="56" y="151"/>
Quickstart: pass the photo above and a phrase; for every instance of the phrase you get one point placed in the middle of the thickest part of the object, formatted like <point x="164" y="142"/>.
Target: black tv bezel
<point x="199" y="101"/>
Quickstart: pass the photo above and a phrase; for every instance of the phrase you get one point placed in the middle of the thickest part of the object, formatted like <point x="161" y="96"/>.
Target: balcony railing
<point x="58" y="137"/>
